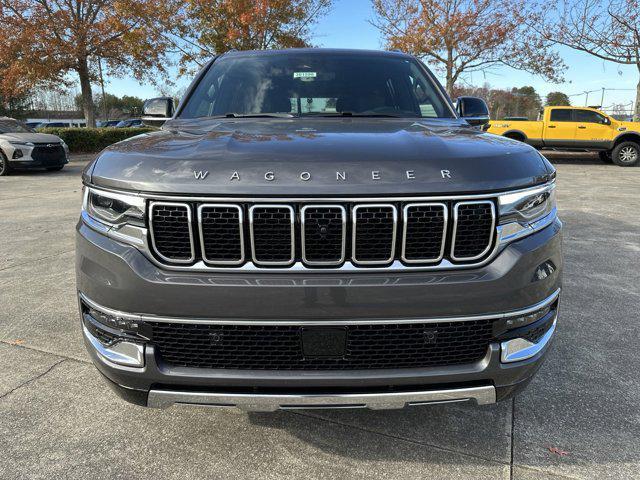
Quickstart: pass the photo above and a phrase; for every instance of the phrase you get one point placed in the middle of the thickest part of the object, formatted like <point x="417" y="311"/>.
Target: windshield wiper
<point x="361" y="115"/>
<point x="255" y="115"/>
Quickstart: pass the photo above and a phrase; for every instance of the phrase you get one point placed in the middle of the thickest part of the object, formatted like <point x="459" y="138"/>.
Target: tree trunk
<point x="87" y="95"/>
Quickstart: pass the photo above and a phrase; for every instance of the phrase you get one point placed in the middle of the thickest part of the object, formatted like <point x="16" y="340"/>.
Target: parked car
<point x="33" y="125"/>
<point x="318" y="228"/>
<point x="130" y="123"/>
<point x="108" y="123"/>
<point x="577" y="128"/>
<point x="22" y="148"/>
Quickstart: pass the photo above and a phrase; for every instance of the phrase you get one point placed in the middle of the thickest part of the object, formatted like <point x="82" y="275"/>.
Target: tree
<point x="557" y="99"/>
<point x="43" y="41"/>
<point x="606" y="29"/>
<point x="201" y="29"/>
<point x="464" y="36"/>
<point x="514" y="102"/>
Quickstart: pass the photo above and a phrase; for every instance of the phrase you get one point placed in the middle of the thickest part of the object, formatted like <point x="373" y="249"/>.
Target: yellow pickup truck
<point x="577" y="128"/>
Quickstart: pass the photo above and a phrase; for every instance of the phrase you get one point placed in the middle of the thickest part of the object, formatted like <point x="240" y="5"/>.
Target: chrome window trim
<point x="357" y="321"/>
<point x="292" y="229"/>
<point x="354" y="228"/>
<point x="152" y="205"/>
<point x="344" y="235"/>
<point x="240" y="231"/>
<point x="405" y="217"/>
<point x="455" y="230"/>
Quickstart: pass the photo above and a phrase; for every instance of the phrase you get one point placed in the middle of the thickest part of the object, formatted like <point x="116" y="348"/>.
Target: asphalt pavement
<point x="578" y="419"/>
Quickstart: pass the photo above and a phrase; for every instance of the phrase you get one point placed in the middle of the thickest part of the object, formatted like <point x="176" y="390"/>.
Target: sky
<point x="347" y="26"/>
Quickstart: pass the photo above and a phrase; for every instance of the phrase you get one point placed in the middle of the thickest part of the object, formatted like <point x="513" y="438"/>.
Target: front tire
<point x="605" y="157"/>
<point x="4" y="165"/>
<point x="626" y="154"/>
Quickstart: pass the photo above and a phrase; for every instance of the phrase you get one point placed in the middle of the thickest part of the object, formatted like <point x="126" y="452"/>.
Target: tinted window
<point x="588" y="116"/>
<point x="561" y="115"/>
<point x="316" y="84"/>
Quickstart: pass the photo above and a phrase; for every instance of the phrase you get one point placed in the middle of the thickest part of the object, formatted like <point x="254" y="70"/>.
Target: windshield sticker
<point x="305" y="76"/>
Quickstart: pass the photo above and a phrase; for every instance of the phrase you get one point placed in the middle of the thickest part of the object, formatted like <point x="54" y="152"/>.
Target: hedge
<point x="91" y="140"/>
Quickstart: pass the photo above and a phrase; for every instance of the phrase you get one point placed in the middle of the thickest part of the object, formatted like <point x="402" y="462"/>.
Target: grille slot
<point x="374" y="234"/>
<point x="473" y="230"/>
<point x="267" y="347"/>
<point x="221" y="234"/>
<point x="425" y="227"/>
<point x="171" y="231"/>
<point x="323" y="234"/>
<point x="272" y="234"/>
<point x="49" y="155"/>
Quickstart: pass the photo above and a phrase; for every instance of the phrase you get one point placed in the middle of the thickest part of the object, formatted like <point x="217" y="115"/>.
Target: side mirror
<point x="156" y="111"/>
<point x="474" y="110"/>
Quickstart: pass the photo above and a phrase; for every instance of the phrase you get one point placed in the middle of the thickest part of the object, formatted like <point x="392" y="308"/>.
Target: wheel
<point x="517" y="137"/>
<point x="55" y="169"/>
<point x="626" y="154"/>
<point x="605" y="157"/>
<point x="4" y="165"/>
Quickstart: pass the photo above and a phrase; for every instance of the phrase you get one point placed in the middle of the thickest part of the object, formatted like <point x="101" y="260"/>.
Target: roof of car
<point x="316" y="51"/>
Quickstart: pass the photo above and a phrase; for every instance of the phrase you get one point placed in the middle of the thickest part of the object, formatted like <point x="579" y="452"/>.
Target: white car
<point x="22" y="148"/>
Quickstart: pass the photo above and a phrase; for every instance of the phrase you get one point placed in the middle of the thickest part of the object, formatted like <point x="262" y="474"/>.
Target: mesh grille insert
<point x="474" y="229"/>
<point x="374" y="233"/>
<point x="272" y="234"/>
<point x="171" y="231"/>
<point x="221" y="233"/>
<point x="324" y="229"/>
<point x="424" y="232"/>
<point x="271" y="347"/>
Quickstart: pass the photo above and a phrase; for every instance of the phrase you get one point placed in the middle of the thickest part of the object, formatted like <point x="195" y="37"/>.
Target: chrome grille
<point x="323" y="236"/>
<point x="421" y="234"/>
<point x="272" y="234"/>
<point x="171" y="231"/>
<point x="374" y="233"/>
<point x="425" y="228"/>
<point x="221" y="234"/>
<point x="473" y="228"/>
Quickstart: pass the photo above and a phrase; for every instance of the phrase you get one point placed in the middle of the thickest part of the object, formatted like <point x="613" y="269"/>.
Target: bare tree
<point x="606" y="29"/>
<point x="464" y="36"/>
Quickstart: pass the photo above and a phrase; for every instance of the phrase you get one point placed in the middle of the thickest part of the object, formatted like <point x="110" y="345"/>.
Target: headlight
<point x="526" y="211"/>
<point x="22" y="144"/>
<point x="114" y="209"/>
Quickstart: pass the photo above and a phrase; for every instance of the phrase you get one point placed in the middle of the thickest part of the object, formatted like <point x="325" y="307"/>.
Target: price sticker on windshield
<point x="305" y="76"/>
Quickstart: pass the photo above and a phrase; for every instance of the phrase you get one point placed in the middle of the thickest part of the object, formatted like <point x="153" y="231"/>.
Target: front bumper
<point x="29" y="159"/>
<point x="119" y="277"/>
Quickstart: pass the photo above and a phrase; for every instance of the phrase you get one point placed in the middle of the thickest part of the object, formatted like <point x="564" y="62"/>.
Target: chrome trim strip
<point x="354" y="227"/>
<point x="240" y="232"/>
<point x="256" y="402"/>
<point x="293" y="235"/>
<point x="344" y="235"/>
<point x="376" y="321"/>
<point x="519" y="349"/>
<point x="189" y="220"/>
<point x="122" y="353"/>
<point x="405" y="217"/>
<point x="316" y="199"/>
<point x="455" y="229"/>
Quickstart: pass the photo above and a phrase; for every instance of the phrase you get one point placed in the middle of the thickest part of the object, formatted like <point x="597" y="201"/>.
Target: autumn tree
<point x="511" y="102"/>
<point x="201" y="29"/>
<point x="464" y="36"/>
<point x="606" y="29"/>
<point x="43" y="41"/>
<point x="557" y="99"/>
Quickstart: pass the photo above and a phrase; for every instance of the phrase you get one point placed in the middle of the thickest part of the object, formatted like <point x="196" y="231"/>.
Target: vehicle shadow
<point x="575" y="158"/>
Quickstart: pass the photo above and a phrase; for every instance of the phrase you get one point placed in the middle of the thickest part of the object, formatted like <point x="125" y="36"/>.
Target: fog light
<point x="518" y="349"/>
<point x="17" y="153"/>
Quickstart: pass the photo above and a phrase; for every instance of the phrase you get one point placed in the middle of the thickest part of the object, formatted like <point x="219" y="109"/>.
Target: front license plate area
<point x="323" y="341"/>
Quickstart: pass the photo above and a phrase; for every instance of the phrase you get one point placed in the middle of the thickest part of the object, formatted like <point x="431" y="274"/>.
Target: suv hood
<point x="318" y="156"/>
<point x="30" y="137"/>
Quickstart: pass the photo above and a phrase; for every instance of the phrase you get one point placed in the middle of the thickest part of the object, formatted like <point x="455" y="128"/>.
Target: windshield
<point x="8" y="125"/>
<point x="318" y="84"/>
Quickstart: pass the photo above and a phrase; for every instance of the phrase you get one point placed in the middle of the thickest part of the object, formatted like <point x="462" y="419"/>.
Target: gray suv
<point x="318" y="228"/>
